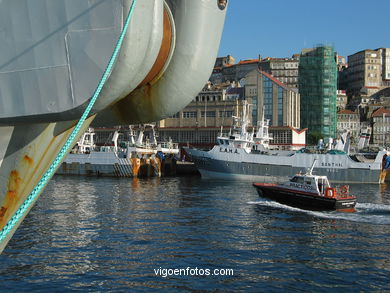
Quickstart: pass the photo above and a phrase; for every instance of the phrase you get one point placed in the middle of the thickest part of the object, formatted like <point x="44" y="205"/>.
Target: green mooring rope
<point x="64" y="150"/>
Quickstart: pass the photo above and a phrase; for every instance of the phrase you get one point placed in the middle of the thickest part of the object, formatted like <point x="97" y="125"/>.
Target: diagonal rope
<point x="20" y="213"/>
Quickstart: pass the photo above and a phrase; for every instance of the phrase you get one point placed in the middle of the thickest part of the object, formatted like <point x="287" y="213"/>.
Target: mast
<point x="309" y="171"/>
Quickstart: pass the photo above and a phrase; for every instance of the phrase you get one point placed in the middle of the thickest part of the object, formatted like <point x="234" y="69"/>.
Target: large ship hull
<point x="220" y="163"/>
<point x="53" y="57"/>
<point x="108" y="164"/>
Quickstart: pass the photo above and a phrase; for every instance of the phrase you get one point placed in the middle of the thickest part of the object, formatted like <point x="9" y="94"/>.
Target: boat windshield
<point x="297" y="179"/>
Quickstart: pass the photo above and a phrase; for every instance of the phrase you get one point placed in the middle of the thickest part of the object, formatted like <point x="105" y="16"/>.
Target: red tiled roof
<point x="380" y="112"/>
<point x="248" y="61"/>
<point x="346" y="111"/>
<point x="274" y="79"/>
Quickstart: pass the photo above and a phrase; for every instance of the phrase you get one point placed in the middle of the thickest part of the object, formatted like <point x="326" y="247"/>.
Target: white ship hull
<point x="222" y="163"/>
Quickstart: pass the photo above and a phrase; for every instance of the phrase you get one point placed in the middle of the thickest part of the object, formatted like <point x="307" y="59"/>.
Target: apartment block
<point x="368" y="72"/>
<point x="349" y="120"/>
<point x="283" y="69"/>
<point x="381" y="127"/>
<point x="341" y="100"/>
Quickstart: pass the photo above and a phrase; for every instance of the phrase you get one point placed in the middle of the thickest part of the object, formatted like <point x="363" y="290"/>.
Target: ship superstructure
<point x="252" y="159"/>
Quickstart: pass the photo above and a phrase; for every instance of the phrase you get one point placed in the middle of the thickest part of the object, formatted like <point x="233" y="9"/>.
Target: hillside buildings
<point x="317" y="90"/>
<point x="341" y="100"/>
<point x="349" y="120"/>
<point x="381" y="127"/>
<point x="228" y="72"/>
<point x="368" y="72"/>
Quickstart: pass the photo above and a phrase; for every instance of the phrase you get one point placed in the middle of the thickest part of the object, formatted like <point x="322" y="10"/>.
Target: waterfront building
<point x="283" y="69"/>
<point x="349" y="120"/>
<point x="287" y="138"/>
<point x="200" y="122"/>
<point x="381" y="127"/>
<point x="279" y="102"/>
<point x="368" y="71"/>
<point x="317" y="88"/>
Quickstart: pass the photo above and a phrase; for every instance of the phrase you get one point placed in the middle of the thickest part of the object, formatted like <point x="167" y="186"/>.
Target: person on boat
<point x="320" y="188"/>
<point x="387" y="162"/>
<point x="384" y="161"/>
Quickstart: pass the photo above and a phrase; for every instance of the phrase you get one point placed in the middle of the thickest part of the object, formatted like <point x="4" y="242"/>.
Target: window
<point x="225" y="114"/>
<point x="208" y="113"/>
<point x="192" y="114"/>
<point x="267" y="87"/>
<point x="297" y="179"/>
<point x="280" y="106"/>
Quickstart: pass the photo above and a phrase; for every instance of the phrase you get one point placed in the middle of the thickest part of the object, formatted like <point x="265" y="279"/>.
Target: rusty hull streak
<point x="11" y="197"/>
<point x="28" y="160"/>
<point x="163" y="54"/>
<point x="124" y="108"/>
<point x="23" y="179"/>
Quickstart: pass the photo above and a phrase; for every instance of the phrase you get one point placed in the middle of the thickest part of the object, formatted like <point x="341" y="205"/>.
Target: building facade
<point x="368" y="72"/>
<point x="224" y="61"/>
<point x="280" y="104"/>
<point x="341" y="100"/>
<point x="283" y="69"/>
<point x="349" y="120"/>
<point x="221" y="62"/>
<point x="317" y="88"/>
<point x="200" y="122"/>
<point x="287" y="138"/>
<point x="381" y="127"/>
<point x="238" y="71"/>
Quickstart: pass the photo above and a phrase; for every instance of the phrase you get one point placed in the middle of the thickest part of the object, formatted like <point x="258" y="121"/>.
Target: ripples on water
<point x="92" y="234"/>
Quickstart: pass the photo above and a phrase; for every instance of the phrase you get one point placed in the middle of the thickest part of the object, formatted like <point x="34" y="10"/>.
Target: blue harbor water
<point x="99" y="234"/>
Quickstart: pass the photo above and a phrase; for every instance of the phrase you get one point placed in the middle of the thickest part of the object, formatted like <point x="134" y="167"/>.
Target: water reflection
<point x="110" y="234"/>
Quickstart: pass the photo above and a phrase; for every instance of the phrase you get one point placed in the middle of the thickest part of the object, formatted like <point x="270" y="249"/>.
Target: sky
<point x="281" y="28"/>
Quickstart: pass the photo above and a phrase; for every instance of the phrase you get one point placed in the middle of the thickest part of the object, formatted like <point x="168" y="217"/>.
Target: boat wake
<point x="365" y="212"/>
